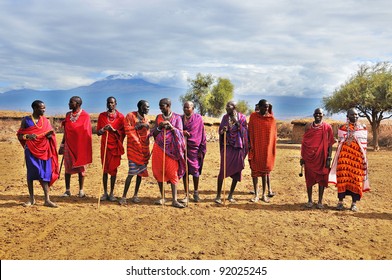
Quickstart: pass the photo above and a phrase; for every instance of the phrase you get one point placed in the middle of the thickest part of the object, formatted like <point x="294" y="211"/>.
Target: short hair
<point x="110" y="97"/>
<point x="190" y="103"/>
<point x="140" y="103"/>
<point x="262" y="101"/>
<point x="166" y="101"/>
<point x="77" y="99"/>
<point x="233" y="103"/>
<point x="36" y="103"/>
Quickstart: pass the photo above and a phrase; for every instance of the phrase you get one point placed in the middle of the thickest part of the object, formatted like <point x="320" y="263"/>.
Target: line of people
<point x="180" y="147"/>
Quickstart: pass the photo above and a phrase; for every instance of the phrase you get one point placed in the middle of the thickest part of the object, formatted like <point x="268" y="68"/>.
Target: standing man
<point x="76" y="145"/>
<point x="262" y="153"/>
<point x="137" y="129"/>
<point x="111" y="126"/>
<point x="37" y="137"/>
<point x="196" y="141"/>
<point x="350" y="167"/>
<point x="168" y="163"/>
<point x="316" y="150"/>
<point x="235" y="126"/>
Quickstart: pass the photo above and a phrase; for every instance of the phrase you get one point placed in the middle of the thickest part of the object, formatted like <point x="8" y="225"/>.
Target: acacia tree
<point x="198" y="92"/>
<point x="221" y="93"/>
<point x="243" y="107"/>
<point x="370" y="92"/>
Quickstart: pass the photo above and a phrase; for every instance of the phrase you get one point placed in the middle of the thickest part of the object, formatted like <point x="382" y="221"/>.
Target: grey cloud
<point x="277" y="46"/>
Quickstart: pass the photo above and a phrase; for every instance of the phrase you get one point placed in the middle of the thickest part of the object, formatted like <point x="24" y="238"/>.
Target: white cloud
<point x="278" y="47"/>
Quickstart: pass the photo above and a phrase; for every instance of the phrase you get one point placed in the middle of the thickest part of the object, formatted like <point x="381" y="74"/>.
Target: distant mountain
<point x="128" y="90"/>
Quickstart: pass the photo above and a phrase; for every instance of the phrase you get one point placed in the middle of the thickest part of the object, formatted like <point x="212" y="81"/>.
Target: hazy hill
<point x="129" y="91"/>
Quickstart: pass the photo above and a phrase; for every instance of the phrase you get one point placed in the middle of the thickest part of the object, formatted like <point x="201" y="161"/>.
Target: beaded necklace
<point x="316" y="126"/>
<point x="111" y="116"/>
<point x="350" y="132"/>
<point x="233" y="118"/>
<point x="168" y="117"/>
<point x="36" y="122"/>
<point x="74" y="117"/>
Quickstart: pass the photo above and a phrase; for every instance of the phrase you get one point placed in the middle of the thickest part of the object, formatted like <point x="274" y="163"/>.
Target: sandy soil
<point x="282" y="229"/>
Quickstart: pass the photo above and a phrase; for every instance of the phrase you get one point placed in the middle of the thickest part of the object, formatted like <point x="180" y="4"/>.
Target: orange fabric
<point x="350" y="169"/>
<point x="138" y="142"/>
<point x="171" y="166"/>
<point x="262" y="136"/>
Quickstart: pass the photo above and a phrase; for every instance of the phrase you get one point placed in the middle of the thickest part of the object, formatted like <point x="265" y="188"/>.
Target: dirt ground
<point x="281" y="230"/>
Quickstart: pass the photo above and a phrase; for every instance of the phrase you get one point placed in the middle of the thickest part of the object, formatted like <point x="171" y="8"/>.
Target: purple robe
<point x="196" y="143"/>
<point x="175" y="143"/>
<point x="236" y="147"/>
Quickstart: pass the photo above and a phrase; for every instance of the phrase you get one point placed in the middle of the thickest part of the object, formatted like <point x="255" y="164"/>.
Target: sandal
<point x="177" y="204"/>
<point x="81" y="194"/>
<point x="320" y="206"/>
<point x="271" y="194"/>
<point x="340" y="206"/>
<point x="122" y="201"/>
<point x="66" y="194"/>
<point x="104" y="197"/>
<point x="354" y="208"/>
<point x="265" y="199"/>
<point x="255" y="199"/>
<point x="160" y="201"/>
<point x="218" y="200"/>
<point x="135" y="199"/>
<point x="309" y="204"/>
<point x="28" y="204"/>
<point x="112" y="198"/>
<point x="196" y="197"/>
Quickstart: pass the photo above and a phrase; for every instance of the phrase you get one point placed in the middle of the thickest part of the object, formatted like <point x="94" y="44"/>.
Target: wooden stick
<point x="163" y="167"/>
<point x="61" y="165"/>
<point x="186" y="171"/>
<point x="224" y="167"/>
<point x="103" y="166"/>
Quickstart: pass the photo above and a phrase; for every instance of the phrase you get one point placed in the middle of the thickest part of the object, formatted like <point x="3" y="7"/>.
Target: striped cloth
<point x="349" y="169"/>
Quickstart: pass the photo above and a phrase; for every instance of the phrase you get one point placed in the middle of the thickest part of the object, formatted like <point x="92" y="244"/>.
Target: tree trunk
<point x="376" y="132"/>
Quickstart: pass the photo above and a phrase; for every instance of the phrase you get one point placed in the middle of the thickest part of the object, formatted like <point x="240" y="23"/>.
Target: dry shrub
<point x="385" y="136"/>
<point x="285" y="130"/>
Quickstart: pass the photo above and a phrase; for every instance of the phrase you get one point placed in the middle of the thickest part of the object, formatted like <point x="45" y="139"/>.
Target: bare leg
<point x="67" y="177"/>
<point x="196" y="189"/>
<point x="112" y="184"/>
<point x="219" y="191"/>
<point x="105" y="184"/>
<point x="48" y="203"/>
<point x="232" y="189"/>
<point x="321" y="193"/>
<point x="309" y="190"/>
<point x="264" y="179"/>
<point x="255" y="181"/>
<point x="175" y="203"/>
<point x="81" y="181"/>
<point x="270" y="193"/>
<point x="135" y="198"/>
<point x="320" y="197"/>
<point x="30" y="186"/>
<point x="105" y="187"/>
<point x="81" y="184"/>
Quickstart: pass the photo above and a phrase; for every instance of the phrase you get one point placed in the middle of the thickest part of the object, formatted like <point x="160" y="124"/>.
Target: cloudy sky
<point x="272" y="47"/>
